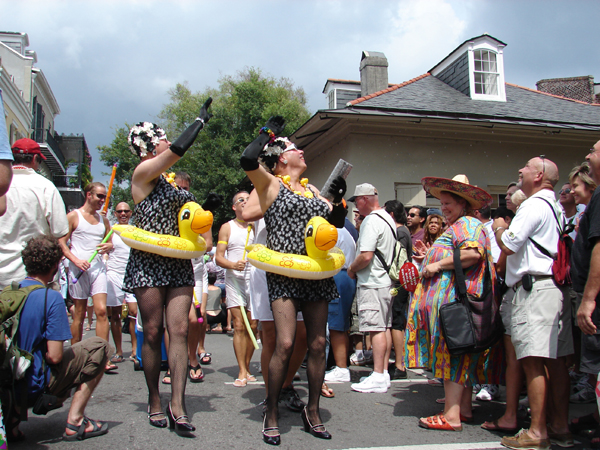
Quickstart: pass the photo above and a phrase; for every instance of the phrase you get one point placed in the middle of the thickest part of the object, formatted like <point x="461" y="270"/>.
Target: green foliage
<point x="241" y="106"/>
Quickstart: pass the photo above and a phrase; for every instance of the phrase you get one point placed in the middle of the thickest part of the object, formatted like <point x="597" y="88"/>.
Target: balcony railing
<point x="66" y="181"/>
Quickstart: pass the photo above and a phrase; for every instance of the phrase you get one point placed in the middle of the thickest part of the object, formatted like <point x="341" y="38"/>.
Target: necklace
<point x="170" y="177"/>
<point x="304" y="182"/>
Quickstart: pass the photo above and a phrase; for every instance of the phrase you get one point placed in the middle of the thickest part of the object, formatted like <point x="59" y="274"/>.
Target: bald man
<point x="541" y="311"/>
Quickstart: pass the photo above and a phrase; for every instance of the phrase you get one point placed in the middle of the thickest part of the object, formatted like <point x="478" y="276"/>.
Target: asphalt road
<point x="228" y="417"/>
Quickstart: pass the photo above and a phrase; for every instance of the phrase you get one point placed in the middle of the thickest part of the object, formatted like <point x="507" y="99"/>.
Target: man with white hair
<point x="373" y="298"/>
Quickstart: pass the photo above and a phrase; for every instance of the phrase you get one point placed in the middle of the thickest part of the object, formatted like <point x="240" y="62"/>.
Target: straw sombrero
<point x="460" y="186"/>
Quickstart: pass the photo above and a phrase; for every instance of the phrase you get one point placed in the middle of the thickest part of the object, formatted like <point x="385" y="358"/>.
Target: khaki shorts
<point x="541" y="321"/>
<point x="374" y="309"/>
<point x="506" y="309"/>
<point x="81" y="362"/>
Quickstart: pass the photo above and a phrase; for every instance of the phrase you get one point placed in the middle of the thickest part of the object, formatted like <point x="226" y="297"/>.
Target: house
<point x="31" y="108"/>
<point x="459" y="117"/>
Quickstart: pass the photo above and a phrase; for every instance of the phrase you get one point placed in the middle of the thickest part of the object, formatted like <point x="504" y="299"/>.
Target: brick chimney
<point x="373" y="73"/>
<point x="576" y="88"/>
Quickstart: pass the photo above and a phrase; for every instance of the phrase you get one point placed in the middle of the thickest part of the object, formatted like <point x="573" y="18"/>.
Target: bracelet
<point x="499" y="228"/>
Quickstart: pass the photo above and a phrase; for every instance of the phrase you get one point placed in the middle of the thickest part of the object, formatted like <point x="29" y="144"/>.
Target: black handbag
<point x="471" y="324"/>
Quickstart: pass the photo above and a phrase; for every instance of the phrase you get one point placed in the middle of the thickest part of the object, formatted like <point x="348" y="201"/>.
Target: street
<point x="228" y="417"/>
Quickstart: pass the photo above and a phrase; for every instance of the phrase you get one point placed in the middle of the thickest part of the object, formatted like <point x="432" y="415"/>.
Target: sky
<point x="113" y="62"/>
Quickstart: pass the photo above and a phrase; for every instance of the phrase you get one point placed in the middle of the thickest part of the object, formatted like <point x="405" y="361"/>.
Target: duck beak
<point x="326" y="236"/>
<point x="202" y="221"/>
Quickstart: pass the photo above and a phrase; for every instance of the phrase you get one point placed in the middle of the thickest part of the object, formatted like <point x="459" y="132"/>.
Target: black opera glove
<point x="337" y="190"/>
<point x="273" y="127"/>
<point x="337" y="216"/>
<point x="213" y="201"/>
<point x="187" y="138"/>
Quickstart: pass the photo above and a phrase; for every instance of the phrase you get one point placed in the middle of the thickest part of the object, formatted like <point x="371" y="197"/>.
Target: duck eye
<point x="185" y="214"/>
<point x="309" y="231"/>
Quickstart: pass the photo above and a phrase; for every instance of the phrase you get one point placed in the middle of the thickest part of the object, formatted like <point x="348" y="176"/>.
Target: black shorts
<point x="399" y="309"/>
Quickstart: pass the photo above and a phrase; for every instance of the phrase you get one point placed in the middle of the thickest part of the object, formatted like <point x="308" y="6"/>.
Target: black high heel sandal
<point x="183" y="429"/>
<point x="271" y="440"/>
<point x="312" y="429"/>
<point x="158" y="423"/>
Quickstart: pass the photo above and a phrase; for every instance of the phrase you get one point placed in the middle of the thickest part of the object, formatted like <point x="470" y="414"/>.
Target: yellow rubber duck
<point x="324" y="260"/>
<point x="192" y="221"/>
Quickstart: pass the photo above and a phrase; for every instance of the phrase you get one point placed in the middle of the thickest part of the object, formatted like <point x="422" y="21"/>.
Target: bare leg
<point x="380" y="350"/>
<point x="249" y="344"/>
<point x="115" y="328"/>
<point x="90" y="314"/>
<point x="102" y="326"/>
<point x="398" y="341"/>
<point x="535" y="372"/>
<point x="240" y="342"/>
<point x="203" y="325"/>
<point x="79" y="306"/>
<point x="339" y="344"/>
<point x="558" y="392"/>
<point x="79" y="402"/>
<point x="454" y="396"/>
<point x="133" y="311"/>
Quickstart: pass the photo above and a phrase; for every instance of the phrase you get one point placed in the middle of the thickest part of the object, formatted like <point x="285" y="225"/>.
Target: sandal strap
<point x="80" y="430"/>
<point x="183" y="416"/>
<point x="154" y="414"/>
<point x="94" y="424"/>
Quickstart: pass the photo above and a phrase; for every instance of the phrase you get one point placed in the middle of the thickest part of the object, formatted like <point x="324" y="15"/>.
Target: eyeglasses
<point x="543" y="158"/>
<point x="101" y="196"/>
<point x="123" y="211"/>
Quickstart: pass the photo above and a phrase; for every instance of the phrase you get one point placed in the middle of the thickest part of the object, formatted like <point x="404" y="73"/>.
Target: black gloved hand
<point x="187" y="138"/>
<point x="204" y="115"/>
<point x="249" y="159"/>
<point x="212" y="202"/>
<point x="337" y="189"/>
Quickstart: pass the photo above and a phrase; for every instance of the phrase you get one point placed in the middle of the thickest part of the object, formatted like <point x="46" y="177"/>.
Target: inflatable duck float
<point x="323" y="259"/>
<point x="192" y="220"/>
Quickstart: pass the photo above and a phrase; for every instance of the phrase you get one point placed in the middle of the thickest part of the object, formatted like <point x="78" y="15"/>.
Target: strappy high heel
<point x="181" y="428"/>
<point x="271" y="440"/>
<point x="158" y="423"/>
<point x="312" y="429"/>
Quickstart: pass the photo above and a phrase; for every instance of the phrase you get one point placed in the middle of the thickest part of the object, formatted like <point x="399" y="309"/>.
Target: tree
<point x="241" y="106"/>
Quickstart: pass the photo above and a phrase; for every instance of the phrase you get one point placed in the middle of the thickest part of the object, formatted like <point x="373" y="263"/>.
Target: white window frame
<point x="501" y="94"/>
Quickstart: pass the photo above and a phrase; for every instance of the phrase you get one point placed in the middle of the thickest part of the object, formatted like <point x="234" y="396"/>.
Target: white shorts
<point x="259" y="296"/>
<point x="200" y="286"/>
<point x="237" y="292"/>
<point x="541" y="321"/>
<point x="91" y="282"/>
<point x="114" y="292"/>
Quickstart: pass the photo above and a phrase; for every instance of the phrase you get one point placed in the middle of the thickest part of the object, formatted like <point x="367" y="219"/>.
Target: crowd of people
<point x="360" y="315"/>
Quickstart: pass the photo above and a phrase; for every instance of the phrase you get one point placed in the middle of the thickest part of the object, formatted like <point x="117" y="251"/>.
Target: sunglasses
<point x="123" y="211"/>
<point x="564" y="191"/>
<point x="412" y="215"/>
<point x="240" y="200"/>
<point x="101" y="196"/>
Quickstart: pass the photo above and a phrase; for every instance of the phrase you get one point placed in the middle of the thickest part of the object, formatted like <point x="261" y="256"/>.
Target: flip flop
<point x="493" y="426"/>
<point x="326" y="391"/>
<point x="205" y="358"/>
<point x="240" y="383"/>
<point x="117" y="359"/>
<point x="81" y="434"/>
<point x="110" y="367"/>
<point x="167" y="378"/>
<point x="250" y="377"/>
<point x="437" y="422"/>
<point x="196" y="379"/>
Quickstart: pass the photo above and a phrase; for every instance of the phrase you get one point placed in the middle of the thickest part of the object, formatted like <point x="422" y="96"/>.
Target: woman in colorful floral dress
<point x="425" y="345"/>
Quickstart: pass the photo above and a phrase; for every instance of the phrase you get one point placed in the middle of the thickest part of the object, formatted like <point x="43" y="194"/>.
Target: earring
<point x="154" y="152"/>
<point x="285" y="161"/>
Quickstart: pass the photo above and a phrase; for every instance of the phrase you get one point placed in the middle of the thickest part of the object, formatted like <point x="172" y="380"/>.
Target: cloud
<point x="423" y="33"/>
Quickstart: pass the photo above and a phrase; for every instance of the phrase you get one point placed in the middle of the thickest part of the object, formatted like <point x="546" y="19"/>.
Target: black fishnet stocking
<point x="151" y="304"/>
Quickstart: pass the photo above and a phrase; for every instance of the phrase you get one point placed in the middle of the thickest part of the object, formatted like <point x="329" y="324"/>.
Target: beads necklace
<point x="304" y="182"/>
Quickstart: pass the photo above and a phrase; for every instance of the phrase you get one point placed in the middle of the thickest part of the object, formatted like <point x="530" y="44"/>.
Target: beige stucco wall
<point x="489" y="158"/>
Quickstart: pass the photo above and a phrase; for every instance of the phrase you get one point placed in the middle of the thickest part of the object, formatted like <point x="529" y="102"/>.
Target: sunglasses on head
<point x="123" y="211"/>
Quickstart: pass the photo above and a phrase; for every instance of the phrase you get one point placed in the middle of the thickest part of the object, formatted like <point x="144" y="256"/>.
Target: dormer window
<point x="486" y="72"/>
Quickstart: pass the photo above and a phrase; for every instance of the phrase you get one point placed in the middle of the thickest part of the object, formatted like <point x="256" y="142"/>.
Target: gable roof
<point x="428" y="96"/>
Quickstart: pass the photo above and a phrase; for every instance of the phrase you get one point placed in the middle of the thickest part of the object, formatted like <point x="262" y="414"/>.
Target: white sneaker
<point x="338" y="374"/>
<point x="488" y="393"/>
<point x="375" y="382"/>
<point x="388" y="380"/>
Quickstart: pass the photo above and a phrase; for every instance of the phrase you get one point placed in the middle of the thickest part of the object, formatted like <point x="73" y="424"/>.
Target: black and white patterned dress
<point x="285" y="221"/>
<point x="158" y="213"/>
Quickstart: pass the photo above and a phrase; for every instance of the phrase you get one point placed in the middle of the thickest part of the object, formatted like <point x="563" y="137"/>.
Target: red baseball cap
<point x="27" y="146"/>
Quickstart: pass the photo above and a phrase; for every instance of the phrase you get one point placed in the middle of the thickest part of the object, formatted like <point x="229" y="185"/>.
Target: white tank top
<point x="235" y="247"/>
<point x="117" y="260"/>
<point x="86" y="237"/>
